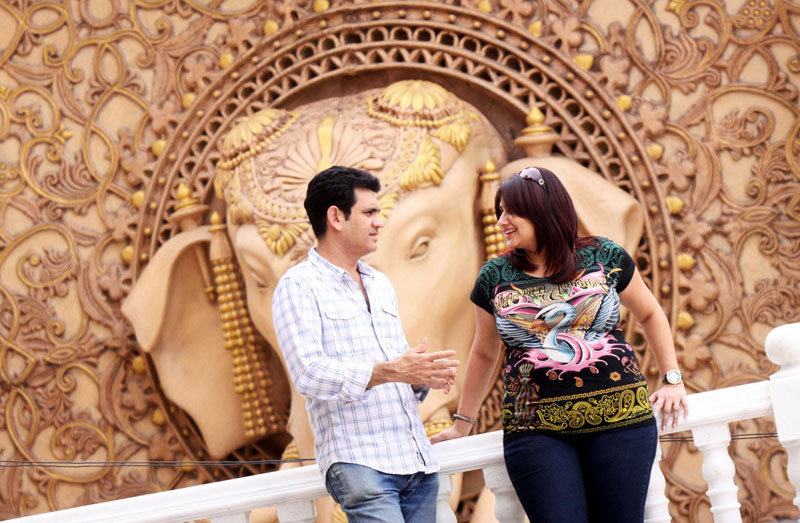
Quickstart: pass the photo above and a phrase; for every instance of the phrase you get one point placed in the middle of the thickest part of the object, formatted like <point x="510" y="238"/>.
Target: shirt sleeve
<point x="481" y="292"/>
<point x="627" y="268"/>
<point x="619" y="264"/>
<point x="298" y="324"/>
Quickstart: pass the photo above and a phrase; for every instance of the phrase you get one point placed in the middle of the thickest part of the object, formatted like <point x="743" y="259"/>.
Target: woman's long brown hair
<point x="549" y="207"/>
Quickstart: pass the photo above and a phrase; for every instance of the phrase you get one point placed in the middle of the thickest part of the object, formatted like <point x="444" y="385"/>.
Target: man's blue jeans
<point x="367" y="495"/>
<point x="596" y="477"/>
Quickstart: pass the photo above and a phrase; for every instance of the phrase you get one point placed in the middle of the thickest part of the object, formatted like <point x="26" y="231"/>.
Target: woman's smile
<point x="509" y="231"/>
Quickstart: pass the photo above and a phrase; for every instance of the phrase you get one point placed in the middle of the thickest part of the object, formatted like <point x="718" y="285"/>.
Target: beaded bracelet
<point x="464" y="418"/>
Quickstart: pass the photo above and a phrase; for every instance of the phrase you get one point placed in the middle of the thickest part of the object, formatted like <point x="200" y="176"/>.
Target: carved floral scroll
<point x="106" y="108"/>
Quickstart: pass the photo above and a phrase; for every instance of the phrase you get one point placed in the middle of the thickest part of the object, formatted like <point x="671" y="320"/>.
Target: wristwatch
<point x="672" y="377"/>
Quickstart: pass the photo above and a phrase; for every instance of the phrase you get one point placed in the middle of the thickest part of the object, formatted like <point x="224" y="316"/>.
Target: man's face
<point x="360" y="231"/>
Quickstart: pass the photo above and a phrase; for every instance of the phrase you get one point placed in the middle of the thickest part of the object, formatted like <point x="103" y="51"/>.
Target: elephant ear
<point x="180" y="327"/>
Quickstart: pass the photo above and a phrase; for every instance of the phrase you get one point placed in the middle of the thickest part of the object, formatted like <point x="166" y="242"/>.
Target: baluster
<point x="444" y="514"/>
<point x="783" y="348"/>
<point x="656" y="506"/>
<point x="793" y="466"/>
<point x="507" y="507"/>
<point x="242" y="517"/>
<point x="718" y="471"/>
<point x="297" y="512"/>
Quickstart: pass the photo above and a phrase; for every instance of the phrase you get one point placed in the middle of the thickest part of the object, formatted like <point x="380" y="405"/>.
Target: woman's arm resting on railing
<point x="644" y="306"/>
<point x="479" y="373"/>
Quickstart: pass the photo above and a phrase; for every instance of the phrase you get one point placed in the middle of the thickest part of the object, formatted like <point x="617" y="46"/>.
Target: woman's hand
<point x="669" y="399"/>
<point x="458" y="430"/>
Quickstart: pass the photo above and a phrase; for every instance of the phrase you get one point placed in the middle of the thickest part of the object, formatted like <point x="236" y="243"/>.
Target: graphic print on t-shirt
<point x="561" y="326"/>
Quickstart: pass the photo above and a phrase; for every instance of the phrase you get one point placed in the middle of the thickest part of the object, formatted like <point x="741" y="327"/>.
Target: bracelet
<point x="464" y="418"/>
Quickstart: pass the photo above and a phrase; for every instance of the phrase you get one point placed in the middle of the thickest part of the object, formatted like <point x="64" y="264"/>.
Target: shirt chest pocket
<point x="389" y="327"/>
<point x="347" y="332"/>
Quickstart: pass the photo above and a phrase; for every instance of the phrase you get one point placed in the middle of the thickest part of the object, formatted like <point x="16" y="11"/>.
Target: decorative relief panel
<point x="106" y="109"/>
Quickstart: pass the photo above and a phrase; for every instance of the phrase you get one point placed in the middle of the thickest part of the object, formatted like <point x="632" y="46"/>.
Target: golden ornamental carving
<point x="263" y="186"/>
<point x="250" y="135"/>
<point x="243" y="141"/>
<point x="425" y="168"/>
<point x="106" y="109"/>
<point x="424" y="104"/>
<point x="493" y="238"/>
<point x="415" y="102"/>
<point x="434" y="427"/>
<point x="280" y="239"/>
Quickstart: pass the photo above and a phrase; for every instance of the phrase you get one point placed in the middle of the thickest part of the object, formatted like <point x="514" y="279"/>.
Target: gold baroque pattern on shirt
<point x="587" y="412"/>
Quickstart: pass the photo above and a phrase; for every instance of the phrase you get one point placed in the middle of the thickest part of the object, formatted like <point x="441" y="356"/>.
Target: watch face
<point x="673" y="377"/>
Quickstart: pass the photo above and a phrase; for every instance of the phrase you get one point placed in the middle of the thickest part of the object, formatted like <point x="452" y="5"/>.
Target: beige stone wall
<point x="107" y="107"/>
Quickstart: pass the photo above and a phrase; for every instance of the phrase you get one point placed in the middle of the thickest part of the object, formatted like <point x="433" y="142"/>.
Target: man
<point x="338" y="327"/>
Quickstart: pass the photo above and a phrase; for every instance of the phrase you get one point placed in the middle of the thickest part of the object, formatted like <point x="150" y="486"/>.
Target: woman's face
<point x="519" y="231"/>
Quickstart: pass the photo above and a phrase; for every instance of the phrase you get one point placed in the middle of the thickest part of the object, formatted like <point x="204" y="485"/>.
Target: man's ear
<point x="335" y="218"/>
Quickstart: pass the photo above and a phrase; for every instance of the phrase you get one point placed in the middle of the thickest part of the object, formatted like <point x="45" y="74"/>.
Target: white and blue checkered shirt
<point x="330" y="340"/>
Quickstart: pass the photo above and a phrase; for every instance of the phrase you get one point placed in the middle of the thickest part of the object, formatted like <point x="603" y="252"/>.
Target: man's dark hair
<point x="335" y="186"/>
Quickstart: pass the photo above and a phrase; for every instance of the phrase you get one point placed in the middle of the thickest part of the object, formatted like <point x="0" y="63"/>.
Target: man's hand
<point x="417" y="367"/>
<point x="434" y="369"/>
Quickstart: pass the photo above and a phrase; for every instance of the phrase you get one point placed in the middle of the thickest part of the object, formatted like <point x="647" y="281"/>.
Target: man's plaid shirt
<point x="330" y="340"/>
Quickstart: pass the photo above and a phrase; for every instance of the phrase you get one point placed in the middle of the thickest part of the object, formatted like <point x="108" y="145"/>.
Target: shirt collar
<point x="335" y="271"/>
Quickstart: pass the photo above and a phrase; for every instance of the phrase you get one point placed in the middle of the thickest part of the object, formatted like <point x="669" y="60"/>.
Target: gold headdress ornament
<point x="416" y="103"/>
<point x="251" y="377"/>
<point x="235" y="173"/>
<point x="268" y="158"/>
<point x="251" y="134"/>
<point x="245" y="140"/>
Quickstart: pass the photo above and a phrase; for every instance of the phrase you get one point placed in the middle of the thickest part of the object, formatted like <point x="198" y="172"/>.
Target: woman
<point x="579" y="429"/>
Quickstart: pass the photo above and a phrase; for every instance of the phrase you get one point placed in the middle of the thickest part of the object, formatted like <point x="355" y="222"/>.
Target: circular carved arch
<point x="500" y="69"/>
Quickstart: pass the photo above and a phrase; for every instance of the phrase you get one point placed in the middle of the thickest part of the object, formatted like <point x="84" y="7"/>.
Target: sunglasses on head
<point x="532" y="173"/>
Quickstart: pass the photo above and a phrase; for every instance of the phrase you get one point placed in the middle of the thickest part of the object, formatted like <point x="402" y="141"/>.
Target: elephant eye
<point x="420" y="247"/>
<point x="260" y="285"/>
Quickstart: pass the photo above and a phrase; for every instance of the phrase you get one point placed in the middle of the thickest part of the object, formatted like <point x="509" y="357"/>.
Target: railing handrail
<point x="304" y="483"/>
<point x="199" y="501"/>
<point x="740" y="402"/>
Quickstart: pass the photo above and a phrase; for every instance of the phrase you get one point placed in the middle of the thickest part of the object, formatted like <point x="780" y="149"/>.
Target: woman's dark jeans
<point x="601" y="477"/>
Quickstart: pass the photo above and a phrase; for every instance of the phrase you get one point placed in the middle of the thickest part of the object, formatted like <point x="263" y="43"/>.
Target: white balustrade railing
<point x="293" y="491"/>
<point x="710" y="414"/>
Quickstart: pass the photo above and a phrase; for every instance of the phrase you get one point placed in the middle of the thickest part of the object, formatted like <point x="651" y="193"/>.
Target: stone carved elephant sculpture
<point x="435" y="157"/>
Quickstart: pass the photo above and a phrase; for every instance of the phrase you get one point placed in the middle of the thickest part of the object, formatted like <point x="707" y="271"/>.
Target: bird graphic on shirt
<point x="558" y="350"/>
<point x="562" y="330"/>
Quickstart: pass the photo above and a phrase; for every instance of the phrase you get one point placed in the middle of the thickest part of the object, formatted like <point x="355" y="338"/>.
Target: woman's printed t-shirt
<point x="568" y="368"/>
